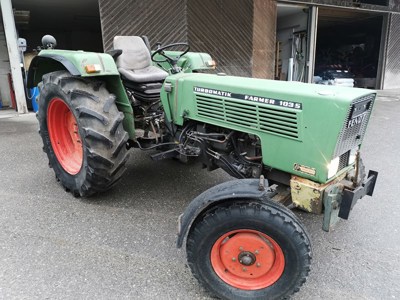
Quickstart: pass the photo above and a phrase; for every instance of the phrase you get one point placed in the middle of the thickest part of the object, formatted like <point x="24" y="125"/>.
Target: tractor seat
<point x="135" y="64"/>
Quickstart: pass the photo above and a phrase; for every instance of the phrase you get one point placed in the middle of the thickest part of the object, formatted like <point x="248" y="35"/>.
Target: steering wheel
<point x="171" y="60"/>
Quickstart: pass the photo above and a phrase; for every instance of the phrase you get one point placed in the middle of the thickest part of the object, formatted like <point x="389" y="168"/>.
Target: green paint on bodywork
<point x="191" y="61"/>
<point x="75" y="61"/>
<point x="302" y="130"/>
<point x="81" y="58"/>
<point x="317" y="124"/>
<point x="115" y="86"/>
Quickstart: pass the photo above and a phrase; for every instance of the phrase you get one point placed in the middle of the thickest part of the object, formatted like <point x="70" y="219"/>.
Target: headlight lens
<point x="353" y="155"/>
<point x="333" y="167"/>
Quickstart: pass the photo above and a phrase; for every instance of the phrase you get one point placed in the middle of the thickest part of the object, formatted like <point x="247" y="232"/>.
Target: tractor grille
<point x="352" y="134"/>
<point x="249" y="115"/>
<point x="344" y="160"/>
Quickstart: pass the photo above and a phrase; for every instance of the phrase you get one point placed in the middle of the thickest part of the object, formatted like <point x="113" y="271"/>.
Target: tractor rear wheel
<point x="249" y="251"/>
<point x="82" y="133"/>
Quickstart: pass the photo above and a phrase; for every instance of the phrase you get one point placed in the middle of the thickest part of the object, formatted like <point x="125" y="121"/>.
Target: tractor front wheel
<point x="249" y="251"/>
<point x="82" y="132"/>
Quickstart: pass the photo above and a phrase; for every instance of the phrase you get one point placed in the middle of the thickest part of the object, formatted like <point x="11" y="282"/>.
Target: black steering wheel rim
<point x="171" y="60"/>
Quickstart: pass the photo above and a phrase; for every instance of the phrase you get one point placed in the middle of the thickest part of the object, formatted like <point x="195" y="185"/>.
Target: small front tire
<point x="249" y="251"/>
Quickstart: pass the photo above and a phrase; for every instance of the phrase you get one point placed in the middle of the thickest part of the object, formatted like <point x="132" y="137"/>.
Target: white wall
<point x="285" y="27"/>
<point x="5" y="97"/>
<point x="392" y="72"/>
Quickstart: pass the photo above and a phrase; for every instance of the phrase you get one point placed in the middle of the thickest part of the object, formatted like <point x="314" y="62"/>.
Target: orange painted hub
<point x="247" y="259"/>
<point x="64" y="136"/>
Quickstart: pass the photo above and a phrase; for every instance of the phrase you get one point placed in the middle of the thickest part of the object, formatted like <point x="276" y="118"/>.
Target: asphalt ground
<point x="121" y="244"/>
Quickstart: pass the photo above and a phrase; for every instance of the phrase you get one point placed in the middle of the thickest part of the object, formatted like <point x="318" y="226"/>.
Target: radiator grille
<point x="249" y="115"/>
<point x="344" y="160"/>
<point x="351" y="137"/>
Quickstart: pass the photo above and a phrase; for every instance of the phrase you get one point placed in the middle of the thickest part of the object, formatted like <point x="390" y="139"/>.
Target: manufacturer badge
<point x="304" y="169"/>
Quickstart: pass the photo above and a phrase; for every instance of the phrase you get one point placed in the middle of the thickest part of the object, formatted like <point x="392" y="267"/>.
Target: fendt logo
<point x="355" y="121"/>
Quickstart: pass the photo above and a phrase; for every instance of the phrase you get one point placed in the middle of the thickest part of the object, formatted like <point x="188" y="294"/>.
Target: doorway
<point x="348" y="46"/>
<point x="291" y="42"/>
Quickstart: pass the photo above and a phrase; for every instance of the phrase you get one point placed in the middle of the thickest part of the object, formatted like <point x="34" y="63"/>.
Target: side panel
<point x="298" y="124"/>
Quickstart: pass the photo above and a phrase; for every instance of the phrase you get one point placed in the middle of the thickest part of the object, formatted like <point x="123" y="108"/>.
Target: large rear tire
<point x="82" y="133"/>
<point x="249" y="251"/>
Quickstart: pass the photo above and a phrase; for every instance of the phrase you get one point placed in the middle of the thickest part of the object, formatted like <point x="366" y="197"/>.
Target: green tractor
<point x="289" y="144"/>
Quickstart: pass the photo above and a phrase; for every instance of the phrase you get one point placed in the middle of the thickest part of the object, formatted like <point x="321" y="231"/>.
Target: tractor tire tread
<point x="120" y="145"/>
<point x="90" y="113"/>
<point x="103" y="136"/>
<point x="108" y="103"/>
<point x="97" y="136"/>
<point x="77" y="94"/>
<point x="277" y="214"/>
<point x="115" y="123"/>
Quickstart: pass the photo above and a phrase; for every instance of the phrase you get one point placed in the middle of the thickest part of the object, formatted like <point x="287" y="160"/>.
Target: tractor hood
<point x="302" y="127"/>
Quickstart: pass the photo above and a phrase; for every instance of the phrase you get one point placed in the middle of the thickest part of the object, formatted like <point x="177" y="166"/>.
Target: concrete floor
<point x="121" y="244"/>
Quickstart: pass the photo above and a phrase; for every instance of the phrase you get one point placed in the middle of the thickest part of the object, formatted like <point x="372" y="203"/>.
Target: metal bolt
<point x="233" y="258"/>
<point x="244" y="269"/>
<point x="256" y="252"/>
<point x="240" y="248"/>
<point x="258" y="265"/>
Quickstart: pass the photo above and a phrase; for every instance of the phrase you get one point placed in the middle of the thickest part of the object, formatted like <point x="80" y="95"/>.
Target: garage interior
<point x="350" y="40"/>
<point x="291" y="42"/>
<point x="75" y="24"/>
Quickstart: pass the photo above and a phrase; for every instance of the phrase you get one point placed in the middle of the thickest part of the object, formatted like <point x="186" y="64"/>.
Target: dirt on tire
<point x="99" y="125"/>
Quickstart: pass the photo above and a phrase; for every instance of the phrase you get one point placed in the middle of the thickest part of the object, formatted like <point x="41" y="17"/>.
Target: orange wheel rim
<point x="64" y="136"/>
<point x="247" y="259"/>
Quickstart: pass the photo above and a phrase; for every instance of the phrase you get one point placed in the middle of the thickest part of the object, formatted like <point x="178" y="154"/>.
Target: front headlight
<point x="333" y="167"/>
<point x="353" y="155"/>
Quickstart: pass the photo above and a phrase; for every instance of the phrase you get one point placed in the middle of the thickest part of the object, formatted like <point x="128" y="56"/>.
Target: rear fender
<point x="42" y="65"/>
<point x="75" y="62"/>
<point x="240" y="190"/>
